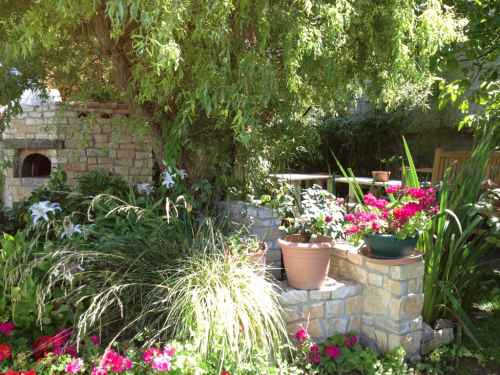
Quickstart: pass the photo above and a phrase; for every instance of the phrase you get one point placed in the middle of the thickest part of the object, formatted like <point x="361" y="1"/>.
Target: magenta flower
<point x="150" y="354"/>
<point x="99" y="371"/>
<point x="371" y="200"/>
<point x="169" y="350"/>
<point x="349" y="217"/>
<point x="353" y="229"/>
<point x="301" y="335"/>
<point x="328" y="218"/>
<point x="349" y="342"/>
<point x="314" y="354"/>
<point x="115" y="362"/>
<point x="392" y="189"/>
<point x="6" y="328"/>
<point x="161" y="363"/>
<point x="74" y="367"/>
<point x="96" y="340"/>
<point x="332" y="351"/>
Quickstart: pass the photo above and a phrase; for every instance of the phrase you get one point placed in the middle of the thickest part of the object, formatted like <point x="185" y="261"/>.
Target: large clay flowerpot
<point x="306" y="263"/>
<point x="389" y="246"/>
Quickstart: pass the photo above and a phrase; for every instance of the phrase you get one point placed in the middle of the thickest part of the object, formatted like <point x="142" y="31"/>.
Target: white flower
<point x="41" y="210"/>
<point x="182" y="173"/>
<point x="168" y="180"/>
<point x="145" y="188"/>
<point x="70" y="229"/>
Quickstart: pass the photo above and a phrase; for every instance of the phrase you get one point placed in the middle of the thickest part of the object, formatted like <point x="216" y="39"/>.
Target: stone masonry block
<point x="314" y="311"/>
<point x="335" y="308"/>
<point x="354" y="305"/>
<point x="354" y="324"/>
<point x="377" y="267"/>
<point x="407" y="307"/>
<point x="375" y="279"/>
<point x="292" y="296"/>
<point x="342" y="289"/>
<point x="396" y="287"/>
<point x="376" y="300"/>
<point x="334" y="326"/>
<point x="292" y="313"/>
<point x="408" y="271"/>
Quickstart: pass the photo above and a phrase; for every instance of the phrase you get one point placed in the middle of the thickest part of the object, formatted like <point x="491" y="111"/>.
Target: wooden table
<point x="364" y="181"/>
<point x="308" y="179"/>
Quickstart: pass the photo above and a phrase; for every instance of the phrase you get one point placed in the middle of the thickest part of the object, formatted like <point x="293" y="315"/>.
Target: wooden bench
<point x="456" y="159"/>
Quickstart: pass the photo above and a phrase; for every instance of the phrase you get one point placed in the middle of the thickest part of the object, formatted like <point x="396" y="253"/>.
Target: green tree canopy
<point x="242" y="72"/>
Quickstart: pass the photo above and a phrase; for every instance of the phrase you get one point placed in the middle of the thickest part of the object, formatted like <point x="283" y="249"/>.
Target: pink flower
<point x="403" y="214"/>
<point x="371" y="200"/>
<point x="349" y="342"/>
<point x="349" y="218"/>
<point x="314" y="354"/>
<point x="169" y="350"/>
<point x="353" y="229"/>
<point x="74" y="366"/>
<point x="114" y="361"/>
<point x="376" y="226"/>
<point x="392" y="189"/>
<point x="332" y="351"/>
<point x="99" y="371"/>
<point x="417" y="193"/>
<point x="62" y="337"/>
<point x="150" y="353"/>
<point x="96" y="340"/>
<point x="301" y="335"/>
<point x="161" y="362"/>
<point x="6" y="328"/>
<point x="328" y="218"/>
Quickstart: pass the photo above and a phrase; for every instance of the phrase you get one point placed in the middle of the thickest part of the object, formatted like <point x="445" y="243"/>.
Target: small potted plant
<point x="390" y="227"/>
<point x="248" y="246"/>
<point x="310" y="236"/>
<point x="384" y="173"/>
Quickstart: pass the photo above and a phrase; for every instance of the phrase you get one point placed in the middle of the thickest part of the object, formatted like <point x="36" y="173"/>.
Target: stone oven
<point x="77" y="138"/>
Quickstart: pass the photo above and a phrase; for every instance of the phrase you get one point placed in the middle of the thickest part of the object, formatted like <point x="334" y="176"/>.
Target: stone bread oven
<point x="77" y="138"/>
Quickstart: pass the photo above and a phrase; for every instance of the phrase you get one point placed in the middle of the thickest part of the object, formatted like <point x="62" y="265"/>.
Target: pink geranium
<point x="162" y="362"/>
<point x="332" y="351"/>
<point x="301" y="335"/>
<point x="96" y="340"/>
<point x="349" y="342"/>
<point x="99" y="371"/>
<point x="409" y="211"/>
<point x="314" y="354"/>
<point x="115" y="362"/>
<point x="74" y="367"/>
<point x="150" y="353"/>
<point x="6" y="328"/>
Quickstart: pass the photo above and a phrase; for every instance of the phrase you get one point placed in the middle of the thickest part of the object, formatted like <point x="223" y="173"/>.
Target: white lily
<point x="145" y="188"/>
<point x="42" y="209"/>
<point x="70" y="229"/>
<point x="168" y="180"/>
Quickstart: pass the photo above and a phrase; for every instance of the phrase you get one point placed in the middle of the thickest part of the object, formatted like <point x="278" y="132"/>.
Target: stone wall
<point x="382" y="302"/>
<point x="77" y="138"/>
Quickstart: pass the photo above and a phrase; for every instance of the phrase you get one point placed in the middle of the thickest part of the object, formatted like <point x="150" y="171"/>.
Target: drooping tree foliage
<point x="237" y="74"/>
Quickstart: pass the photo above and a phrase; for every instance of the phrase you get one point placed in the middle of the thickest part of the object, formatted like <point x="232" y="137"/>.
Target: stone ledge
<point x="38" y="144"/>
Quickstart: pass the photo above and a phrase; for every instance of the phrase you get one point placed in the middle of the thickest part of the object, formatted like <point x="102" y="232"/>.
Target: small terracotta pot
<point x="306" y="263"/>
<point x="259" y="258"/>
<point x="381" y="176"/>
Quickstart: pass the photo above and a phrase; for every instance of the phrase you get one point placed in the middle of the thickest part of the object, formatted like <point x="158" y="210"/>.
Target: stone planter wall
<point x="262" y="222"/>
<point x="382" y="302"/>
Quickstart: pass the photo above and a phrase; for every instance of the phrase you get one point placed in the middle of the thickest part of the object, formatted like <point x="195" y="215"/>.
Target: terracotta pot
<point x="259" y="259"/>
<point x="381" y="176"/>
<point x="306" y="263"/>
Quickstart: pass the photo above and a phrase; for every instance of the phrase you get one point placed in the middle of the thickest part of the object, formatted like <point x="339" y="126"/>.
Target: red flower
<point x="328" y="218"/>
<point x="5" y="352"/>
<point x="12" y="372"/>
<point x="332" y="351"/>
<point x="42" y="346"/>
<point x="392" y="189"/>
<point x="29" y="372"/>
<point x="224" y="372"/>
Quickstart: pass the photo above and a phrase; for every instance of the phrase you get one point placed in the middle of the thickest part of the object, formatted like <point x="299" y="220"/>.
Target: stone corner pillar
<point x="392" y="297"/>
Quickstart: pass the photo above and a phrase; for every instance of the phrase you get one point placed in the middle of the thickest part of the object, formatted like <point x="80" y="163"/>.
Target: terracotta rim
<point x="323" y="242"/>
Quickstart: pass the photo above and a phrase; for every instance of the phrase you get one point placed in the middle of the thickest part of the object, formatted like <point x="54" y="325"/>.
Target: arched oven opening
<point x="36" y="165"/>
